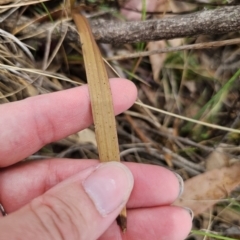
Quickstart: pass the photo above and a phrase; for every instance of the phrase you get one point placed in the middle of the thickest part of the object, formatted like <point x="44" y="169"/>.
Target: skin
<point x="47" y="200"/>
<point x="151" y="5"/>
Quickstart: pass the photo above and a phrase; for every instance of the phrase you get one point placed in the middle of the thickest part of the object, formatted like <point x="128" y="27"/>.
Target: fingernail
<point x="109" y="186"/>
<point x="181" y="184"/>
<point x="2" y="210"/>
<point x="190" y="212"/>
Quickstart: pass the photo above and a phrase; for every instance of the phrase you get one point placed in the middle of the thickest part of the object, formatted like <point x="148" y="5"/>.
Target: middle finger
<point x="21" y="183"/>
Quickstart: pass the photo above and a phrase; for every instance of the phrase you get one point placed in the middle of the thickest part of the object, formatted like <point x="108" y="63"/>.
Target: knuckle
<point x="57" y="218"/>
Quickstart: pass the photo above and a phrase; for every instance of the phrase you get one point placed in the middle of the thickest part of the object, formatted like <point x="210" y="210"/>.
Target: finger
<point x="170" y="222"/>
<point x="20" y="184"/>
<point x="27" y="125"/>
<point x="81" y="207"/>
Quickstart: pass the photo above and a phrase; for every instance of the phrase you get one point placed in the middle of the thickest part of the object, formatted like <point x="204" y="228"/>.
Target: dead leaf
<point x="177" y="6"/>
<point x="100" y="96"/>
<point x="87" y="136"/>
<point x="205" y="190"/>
<point x="217" y="159"/>
<point x="157" y="60"/>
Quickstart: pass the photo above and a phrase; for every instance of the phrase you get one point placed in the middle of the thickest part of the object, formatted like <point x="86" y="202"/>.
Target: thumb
<point x="81" y="207"/>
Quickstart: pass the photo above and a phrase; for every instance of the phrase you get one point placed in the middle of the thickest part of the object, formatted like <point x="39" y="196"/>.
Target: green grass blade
<point x="212" y="235"/>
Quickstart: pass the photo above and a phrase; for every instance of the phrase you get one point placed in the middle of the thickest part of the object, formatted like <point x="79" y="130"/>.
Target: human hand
<point x="66" y="199"/>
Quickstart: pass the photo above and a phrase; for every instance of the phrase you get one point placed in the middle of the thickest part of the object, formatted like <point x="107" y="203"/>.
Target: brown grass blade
<point x="101" y="98"/>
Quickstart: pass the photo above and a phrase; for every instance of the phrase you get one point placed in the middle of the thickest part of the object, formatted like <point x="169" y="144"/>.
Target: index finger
<point x="28" y="125"/>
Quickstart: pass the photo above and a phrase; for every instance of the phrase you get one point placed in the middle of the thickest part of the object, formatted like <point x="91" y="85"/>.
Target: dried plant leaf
<point x="205" y="190"/>
<point x="157" y="60"/>
<point x="100" y="93"/>
<point x="101" y="98"/>
<point x="87" y="136"/>
<point x="217" y="158"/>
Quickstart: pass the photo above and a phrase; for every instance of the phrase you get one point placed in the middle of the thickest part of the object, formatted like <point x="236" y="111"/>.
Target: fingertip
<point x="124" y="93"/>
<point x="165" y="222"/>
<point x="190" y="212"/>
<point x="180" y="184"/>
<point x="161" y="182"/>
<point x="109" y="186"/>
<point x="186" y="221"/>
